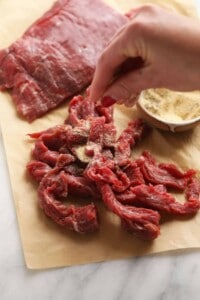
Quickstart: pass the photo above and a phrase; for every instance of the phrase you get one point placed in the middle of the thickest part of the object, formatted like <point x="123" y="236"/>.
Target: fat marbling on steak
<point x="56" y="56"/>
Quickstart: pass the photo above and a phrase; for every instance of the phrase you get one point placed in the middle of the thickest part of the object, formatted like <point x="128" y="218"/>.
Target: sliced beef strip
<point x="143" y="223"/>
<point x="149" y="196"/>
<point x="82" y="219"/>
<point x="134" y="132"/>
<point x="82" y="109"/>
<point x="37" y="169"/>
<point x="168" y="174"/>
<point x="193" y="190"/>
<point x="56" y="56"/>
<point x="47" y="146"/>
<point x="134" y="173"/>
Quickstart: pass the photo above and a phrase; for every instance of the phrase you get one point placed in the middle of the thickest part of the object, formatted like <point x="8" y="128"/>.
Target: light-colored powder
<point x="171" y="106"/>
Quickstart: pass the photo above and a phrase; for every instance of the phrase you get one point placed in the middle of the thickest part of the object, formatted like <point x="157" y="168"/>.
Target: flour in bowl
<point x="171" y="106"/>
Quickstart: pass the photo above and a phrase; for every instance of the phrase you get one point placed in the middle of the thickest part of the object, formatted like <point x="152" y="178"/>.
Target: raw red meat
<point x="142" y="222"/>
<point x="174" y="171"/>
<point x="169" y="175"/>
<point x="48" y="145"/>
<point x="133" y="133"/>
<point x="38" y="169"/>
<point x="79" y="185"/>
<point x="101" y="173"/>
<point x="75" y="169"/>
<point x="150" y="196"/>
<point x="107" y="101"/>
<point x="56" y="56"/>
<point x="130" y="198"/>
<point x="134" y="173"/>
<point x="81" y="109"/>
<point x="109" y="135"/>
<point x="76" y="109"/>
<point x="80" y="219"/>
<point x="193" y="190"/>
<point x="97" y="130"/>
<point x="83" y="157"/>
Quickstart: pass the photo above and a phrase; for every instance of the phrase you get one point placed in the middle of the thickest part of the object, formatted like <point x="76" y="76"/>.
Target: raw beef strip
<point x="193" y="190"/>
<point x="142" y="222"/>
<point x="150" y="196"/>
<point x="37" y="169"/>
<point x="81" y="109"/>
<point x="169" y="175"/>
<point x="109" y="135"/>
<point x="130" y="198"/>
<point x="48" y="145"/>
<point x="81" y="219"/>
<point x="105" y="174"/>
<point x="56" y="56"/>
<point x="107" y="101"/>
<point x="128" y="138"/>
<point x="134" y="173"/>
<point x="78" y="185"/>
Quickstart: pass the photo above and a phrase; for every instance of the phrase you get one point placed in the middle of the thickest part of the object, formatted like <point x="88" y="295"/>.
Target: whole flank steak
<point x="55" y="58"/>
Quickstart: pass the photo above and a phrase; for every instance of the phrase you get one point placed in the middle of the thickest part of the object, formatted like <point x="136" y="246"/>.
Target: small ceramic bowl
<point x="163" y="124"/>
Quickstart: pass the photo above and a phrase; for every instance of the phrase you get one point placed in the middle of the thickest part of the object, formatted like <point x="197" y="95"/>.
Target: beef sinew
<point x="56" y="56"/>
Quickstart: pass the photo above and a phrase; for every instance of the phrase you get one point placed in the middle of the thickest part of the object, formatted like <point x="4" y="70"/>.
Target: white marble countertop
<point x="158" y="277"/>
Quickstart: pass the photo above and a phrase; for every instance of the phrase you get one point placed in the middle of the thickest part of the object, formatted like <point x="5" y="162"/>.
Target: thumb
<point x="128" y="86"/>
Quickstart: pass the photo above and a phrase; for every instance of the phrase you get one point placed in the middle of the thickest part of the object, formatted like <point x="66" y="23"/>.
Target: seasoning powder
<point x="171" y="106"/>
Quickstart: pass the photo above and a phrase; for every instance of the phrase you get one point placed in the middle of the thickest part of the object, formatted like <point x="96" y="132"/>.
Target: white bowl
<point x="160" y="123"/>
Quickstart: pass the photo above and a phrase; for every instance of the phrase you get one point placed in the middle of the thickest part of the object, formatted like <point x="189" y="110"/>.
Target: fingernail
<point x="108" y="101"/>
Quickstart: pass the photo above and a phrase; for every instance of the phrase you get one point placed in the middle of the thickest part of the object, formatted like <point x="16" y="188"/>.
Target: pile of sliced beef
<point x="85" y="157"/>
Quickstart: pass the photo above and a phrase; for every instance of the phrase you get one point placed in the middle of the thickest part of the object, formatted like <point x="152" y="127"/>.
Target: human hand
<point x="163" y="49"/>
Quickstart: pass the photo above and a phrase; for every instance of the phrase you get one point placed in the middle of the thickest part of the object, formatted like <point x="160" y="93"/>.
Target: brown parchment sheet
<point x="45" y="244"/>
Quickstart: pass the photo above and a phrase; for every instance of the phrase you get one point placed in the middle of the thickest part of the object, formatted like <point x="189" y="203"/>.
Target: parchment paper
<point x="44" y="243"/>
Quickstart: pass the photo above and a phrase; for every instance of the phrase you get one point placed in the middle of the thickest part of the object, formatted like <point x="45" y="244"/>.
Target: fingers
<point x="128" y="42"/>
<point x="110" y="59"/>
<point x="122" y="45"/>
<point x="127" y="88"/>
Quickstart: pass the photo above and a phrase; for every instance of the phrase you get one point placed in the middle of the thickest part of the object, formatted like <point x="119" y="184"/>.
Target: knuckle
<point x="102" y="58"/>
<point x="144" y="21"/>
<point x="136" y="28"/>
<point x="149" y="9"/>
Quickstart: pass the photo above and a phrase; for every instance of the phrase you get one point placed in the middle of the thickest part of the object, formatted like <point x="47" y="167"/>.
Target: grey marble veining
<point x="158" y="277"/>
